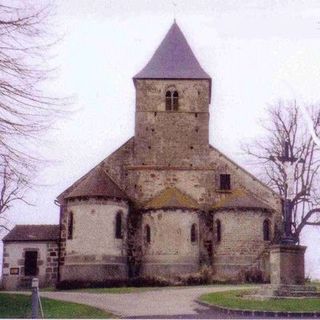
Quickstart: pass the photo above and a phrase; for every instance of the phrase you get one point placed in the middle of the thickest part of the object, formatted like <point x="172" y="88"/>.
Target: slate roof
<point x="241" y="199"/>
<point x="173" y="59"/>
<point x="97" y="183"/>
<point x="171" y="198"/>
<point x="32" y="232"/>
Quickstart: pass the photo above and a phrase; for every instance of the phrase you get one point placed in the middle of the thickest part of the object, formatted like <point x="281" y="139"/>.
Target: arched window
<point x="193" y="234"/>
<point x="175" y="101"/>
<point x="266" y="230"/>
<point x="119" y="225"/>
<point x="168" y="100"/>
<point x="70" y="225"/>
<point x="172" y="100"/>
<point x="147" y="233"/>
<point x="218" y="226"/>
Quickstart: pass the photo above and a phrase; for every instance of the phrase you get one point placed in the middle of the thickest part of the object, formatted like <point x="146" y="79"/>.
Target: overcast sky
<point x="255" y="51"/>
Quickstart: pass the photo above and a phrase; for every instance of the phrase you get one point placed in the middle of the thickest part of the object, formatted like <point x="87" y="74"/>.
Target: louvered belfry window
<point x="172" y="100"/>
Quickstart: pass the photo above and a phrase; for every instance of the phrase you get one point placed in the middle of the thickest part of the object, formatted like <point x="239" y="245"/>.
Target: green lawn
<point x="19" y="306"/>
<point x="234" y="300"/>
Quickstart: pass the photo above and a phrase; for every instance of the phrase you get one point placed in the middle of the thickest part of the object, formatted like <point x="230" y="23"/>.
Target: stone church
<point x="166" y="202"/>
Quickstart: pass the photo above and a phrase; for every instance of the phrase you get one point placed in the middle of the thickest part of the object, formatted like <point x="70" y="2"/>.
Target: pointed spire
<point x="173" y="59"/>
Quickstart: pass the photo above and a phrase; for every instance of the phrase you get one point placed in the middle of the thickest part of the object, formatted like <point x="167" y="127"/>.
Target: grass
<point x="234" y="300"/>
<point x="19" y="306"/>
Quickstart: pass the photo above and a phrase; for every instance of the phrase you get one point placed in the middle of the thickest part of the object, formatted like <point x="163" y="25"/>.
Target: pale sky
<point x="255" y="51"/>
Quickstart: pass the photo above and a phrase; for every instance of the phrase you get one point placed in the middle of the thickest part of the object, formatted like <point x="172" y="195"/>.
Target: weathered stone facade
<point x="13" y="273"/>
<point x="93" y="253"/>
<point x="170" y="249"/>
<point x="241" y="246"/>
<point x="166" y="202"/>
<point x="166" y="181"/>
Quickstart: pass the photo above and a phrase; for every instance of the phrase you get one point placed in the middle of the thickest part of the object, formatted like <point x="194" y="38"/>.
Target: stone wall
<point x="287" y="264"/>
<point x="170" y="250"/>
<point x="14" y="259"/>
<point x="171" y="150"/>
<point x="241" y="244"/>
<point x="161" y="135"/>
<point x="93" y="242"/>
<point x="201" y="182"/>
<point x="52" y="263"/>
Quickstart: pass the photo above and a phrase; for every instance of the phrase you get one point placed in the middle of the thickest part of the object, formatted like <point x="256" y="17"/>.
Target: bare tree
<point x="13" y="188"/>
<point x="26" y="111"/>
<point x="287" y="132"/>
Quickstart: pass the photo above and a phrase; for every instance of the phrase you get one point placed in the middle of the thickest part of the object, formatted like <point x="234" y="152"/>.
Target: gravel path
<point x="162" y="303"/>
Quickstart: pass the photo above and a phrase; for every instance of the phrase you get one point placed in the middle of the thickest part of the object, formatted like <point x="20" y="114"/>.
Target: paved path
<point x="161" y="303"/>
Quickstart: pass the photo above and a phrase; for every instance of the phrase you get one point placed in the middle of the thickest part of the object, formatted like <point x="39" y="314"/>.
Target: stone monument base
<point x="286" y="291"/>
<point x="287" y="274"/>
<point x="287" y="264"/>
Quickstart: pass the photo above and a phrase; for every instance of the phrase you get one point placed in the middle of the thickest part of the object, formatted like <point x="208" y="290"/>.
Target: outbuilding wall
<point x="14" y="258"/>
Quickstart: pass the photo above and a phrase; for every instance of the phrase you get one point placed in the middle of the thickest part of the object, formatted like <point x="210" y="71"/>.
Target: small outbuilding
<point x="30" y="251"/>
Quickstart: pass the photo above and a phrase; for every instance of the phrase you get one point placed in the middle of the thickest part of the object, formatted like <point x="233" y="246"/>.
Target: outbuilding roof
<point x="173" y="59"/>
<point x="32" y="232"/>
<point x="97" y="183"/>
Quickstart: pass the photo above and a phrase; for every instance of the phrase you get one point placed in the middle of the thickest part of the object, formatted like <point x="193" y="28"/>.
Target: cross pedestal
<point x="287" y="264"/>
<point x="287" y="273"/>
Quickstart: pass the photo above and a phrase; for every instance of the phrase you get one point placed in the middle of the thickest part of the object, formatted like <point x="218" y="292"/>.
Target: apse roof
<point x="32" y="232"/>
<point x="97" y="183"/>
<point x="173" y="59"/>
<point x="241" y="199"/>
<point x="171" y="198"/>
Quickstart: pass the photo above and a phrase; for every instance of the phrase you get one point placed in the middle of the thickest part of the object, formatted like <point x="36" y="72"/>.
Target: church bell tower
<point x="172" y="107"/>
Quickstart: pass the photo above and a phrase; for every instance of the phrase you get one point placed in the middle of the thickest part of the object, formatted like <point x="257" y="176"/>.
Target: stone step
<point x="289" y="291"/>
<point x="291" y="287"/>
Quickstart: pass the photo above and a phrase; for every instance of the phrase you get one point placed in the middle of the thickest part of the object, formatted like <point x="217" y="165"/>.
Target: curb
<point x="259" y="313"/>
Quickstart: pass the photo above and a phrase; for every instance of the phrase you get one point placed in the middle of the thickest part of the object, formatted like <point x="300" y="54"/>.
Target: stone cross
<point x="288" y="163"/>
